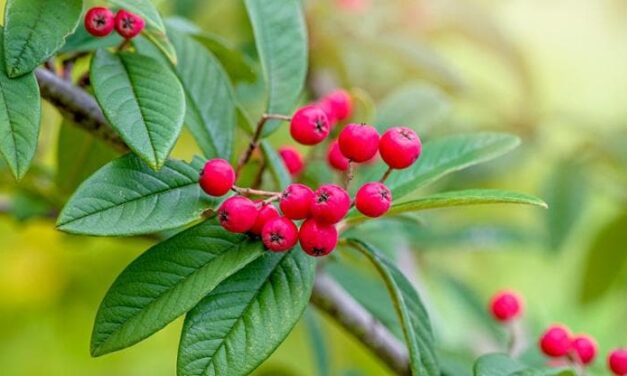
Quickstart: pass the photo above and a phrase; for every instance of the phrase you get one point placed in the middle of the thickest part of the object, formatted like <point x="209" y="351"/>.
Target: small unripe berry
<point x="267" y="212"/>
<point x="99" y="21"/>
<point x="400" y="147"/>
<point x="373" y="199"/>
<point x="336" y="159"/>
<point x="585" y="348"/>
<point x="217" y="177"/>
<point x="309" y="125"/>
<point x="339" y="104"/>
<point x="279" y="234"/>
<point x="617" y="362"/>
<point x="505" y="306"/>
<point x="317" y="239"/>
<point x="295" y="202"/>
<point x="237" y="214"/>
<point x="330" y="204"/>
<point x="359" y="142"/>
<point x="292" y="159"/>
<point x="128" y="24"/>
<point x="555" y="341"/>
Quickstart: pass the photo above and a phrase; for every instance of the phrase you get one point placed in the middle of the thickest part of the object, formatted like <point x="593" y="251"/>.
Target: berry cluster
<point x="557" y="341"/>
<point x="322" y="209"/>
<point x="100" y="22"/>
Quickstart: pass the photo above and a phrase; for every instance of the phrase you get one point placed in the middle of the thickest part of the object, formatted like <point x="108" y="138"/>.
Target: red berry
<point x="296" y="201"/>
<point x="317" y="239"/>
<point x="373" y="199"/>
<point x="128" y="24"/>
<point x="340" y="103"/>
<point x="359" y="142"/>
<point x="400" y="147"/>
<point x="505" y="305"/>
<point x="267" y="213"/>
<point x="292" y="160"/>
<point x="237" y="214"/>
<point x="617" y="362"/>
<point x="336" y="159"/>
<point x="99" y="21"/>
<point x="280" y="234"/>
<point x="327" y="108"/>
<point x="555" y="341"/>
<point x="309" y="125"/>
<point x="217" y="177"/>
<point x="585" y="347"/>
<point x="330" y="204"/>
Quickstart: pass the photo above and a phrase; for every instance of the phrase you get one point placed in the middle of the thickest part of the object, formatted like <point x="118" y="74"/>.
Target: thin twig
<point x="386" y="175"/>
<point x="349" y="174"/>
<point x="256" y="192"/>
<point x="254" y="142"/>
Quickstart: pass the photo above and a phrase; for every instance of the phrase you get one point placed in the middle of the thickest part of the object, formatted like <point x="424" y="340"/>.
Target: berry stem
<point x="254" y="142"/>
<point x="349" y="174"/>
<point x="386" y="175"/>
<point x="124" y="45"/>
<point x="512" y="340"/>
<point x="256" y="192"/>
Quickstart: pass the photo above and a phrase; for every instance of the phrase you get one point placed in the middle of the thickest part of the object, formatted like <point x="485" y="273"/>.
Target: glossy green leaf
<point x="276" y="166"/>
<point x="410" y="310"/>
<point x="125" y="197"/>
<point x="281" y="39"/>
<point x="237" y="64"/>
<point x="142" y="99"/>
<point x="240" y="323"/>
<point x="503" y="365"/>
<point x="167" y="281"/>
<point x="35" y="30"/>
<point x="20" y="112"/>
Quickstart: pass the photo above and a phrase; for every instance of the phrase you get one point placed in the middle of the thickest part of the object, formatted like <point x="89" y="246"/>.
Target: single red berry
<point x="585" y="347"/>
<point x="128" y="24"/>
<point x="296" y="201"/>
<point x="99" y="21"/>
<point x="359" y="142"/>
<point x="309" y="125"/>
<point x="341" y="104"/>
<point x="237" y="214"/>
<point x="267" y="212"/>
<point x="280" y="234"/>
<point x="336" y="159"/>
<point x="555" y="341"/>
<point x="217" y="177"/>
<point x="292" y="160"/>
<point x="400" y="147"/>
<point x="373" y="199"/>
<point x="317" y="239"/>
<point x="505" y="305"/>
<point x="330" y="204"/>
<point x="617" y="362"/>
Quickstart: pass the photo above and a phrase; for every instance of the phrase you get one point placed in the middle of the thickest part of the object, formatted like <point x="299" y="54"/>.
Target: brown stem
<point x="254" y="142"/>
<point x="349" y="174"/>
<point x="123" y="45"/>
<point x="386" y="175"/>
<point x="256" y="192"/>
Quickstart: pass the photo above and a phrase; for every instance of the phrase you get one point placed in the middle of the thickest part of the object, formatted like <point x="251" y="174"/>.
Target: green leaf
<point x="240" y="323"/>
<point x="35" y="30"/>
<point x="276" y="166"/>
<point x="142" y="99"/>
<point x="238" y="65"/>
<point x="125" y="197"/>
<point x="20" y="112"/>
<point x="503" y="365"/>
<point x="155" y="29"/>
<point x="457" y="198"/>
<point x="317" y="340"/>
<point x="166" y="281"/>
<point x="281" y="39"/>
<point x="210" y="100"/>
<point x="410" y="310"/>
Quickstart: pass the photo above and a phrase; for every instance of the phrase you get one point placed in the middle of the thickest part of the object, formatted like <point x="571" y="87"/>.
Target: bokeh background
<point x="553" y="72"/>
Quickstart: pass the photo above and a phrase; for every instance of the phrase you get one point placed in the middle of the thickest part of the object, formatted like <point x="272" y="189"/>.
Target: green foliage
<point x="503" y="365"/>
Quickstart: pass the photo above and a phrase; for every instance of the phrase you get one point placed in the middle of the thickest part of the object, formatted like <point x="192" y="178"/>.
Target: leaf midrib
<point x="17" y="60"/>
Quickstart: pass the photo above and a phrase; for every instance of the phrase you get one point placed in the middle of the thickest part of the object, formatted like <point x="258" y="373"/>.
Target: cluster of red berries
<point x="100" y="22"/>
<point x="557" y="341"/>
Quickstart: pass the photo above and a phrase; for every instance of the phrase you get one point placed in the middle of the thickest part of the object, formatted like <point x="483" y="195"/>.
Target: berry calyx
<point x="338" y="105"/>
<point x="292" y="159"/>
<point x="128" y="24"/>
<point x="317" y="239"/>
<point x="266" y="213"/>
<point x="505" y="306"/>
<point x="237" y="214"/>
<point x="279" y="234"/>
<point x="295" y="201"/>
<point x="400" y="147"/>
<point x="217" y="177"/>
<point x="617" y="362"/>
<point x="359" y="142"/>
<point x="336" y="159"/>
<point x="309" y="125"/>
<point x="555" y="341"/>
<point x="330" y="204"/>
<point x="585" y="348"/>
<point x="99" y="21"/>
<point x="373" y="199"/>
